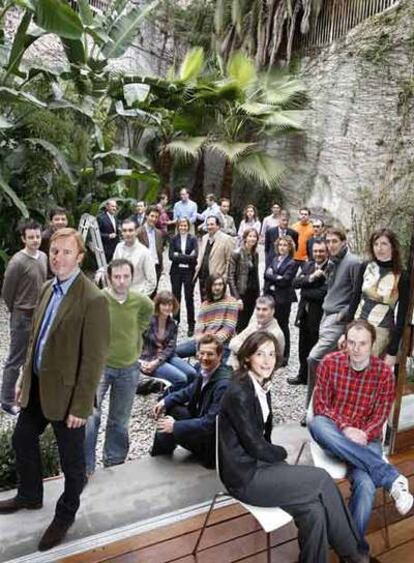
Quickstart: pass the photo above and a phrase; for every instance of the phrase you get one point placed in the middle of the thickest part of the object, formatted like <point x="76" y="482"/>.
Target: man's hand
<point x="112" y="235"/>
<point x="75" y="421"/>
<point x="158" y="409"/>
<point x="390" y="360"/>
<point x="166" y="424"/>
<point x="17" y="394"/>
<point x="356" y="435"/>
<point x="341" y="342"/>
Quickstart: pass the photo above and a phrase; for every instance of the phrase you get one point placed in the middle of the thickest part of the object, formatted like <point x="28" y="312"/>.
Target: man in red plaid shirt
<point x="353" y="396"/>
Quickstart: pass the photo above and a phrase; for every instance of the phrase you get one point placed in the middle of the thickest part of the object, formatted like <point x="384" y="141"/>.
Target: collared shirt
<point x="187" y="209"/>
<point x="112" y="219"/>
<point x="268" y="223"/>
<point x="206" y="375"/>
<point x="212" y="211"/>
<point x="183" y="239"/>
<point x="60" y="289"/>
<point x="361" y="399"/>
<point x="261" y="394"/>
<point x="152" y="245"/>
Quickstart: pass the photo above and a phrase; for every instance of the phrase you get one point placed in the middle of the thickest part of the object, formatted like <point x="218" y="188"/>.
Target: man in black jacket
<point x="191" y="412"/>
<point x="313" y="285"/>
<point x="109" y="229"/>
<point x="276" y="232"/>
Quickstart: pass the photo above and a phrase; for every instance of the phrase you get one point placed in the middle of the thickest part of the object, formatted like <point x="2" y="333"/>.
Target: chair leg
<point x="269" y="553"/>
<point x="301" y="452"/>
<point x="194" y="552"/>
<point x="384" y="514"/>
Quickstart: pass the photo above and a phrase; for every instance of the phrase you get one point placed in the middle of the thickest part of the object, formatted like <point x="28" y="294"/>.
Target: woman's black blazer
<point x="187" y="259"/>
<point x="244" y="437"/>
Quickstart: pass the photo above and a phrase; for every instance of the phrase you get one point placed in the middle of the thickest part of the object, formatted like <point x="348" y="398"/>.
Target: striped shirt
<point x="361" y="399"/>
<point x="218" y="318"/>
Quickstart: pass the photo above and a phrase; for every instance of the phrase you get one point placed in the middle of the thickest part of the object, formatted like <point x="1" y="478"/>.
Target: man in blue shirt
<point x="65" y="359"/>
<point x="185" y="208"/>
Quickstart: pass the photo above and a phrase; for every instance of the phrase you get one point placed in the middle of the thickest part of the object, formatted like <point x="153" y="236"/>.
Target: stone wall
<point x="359" y="130"/>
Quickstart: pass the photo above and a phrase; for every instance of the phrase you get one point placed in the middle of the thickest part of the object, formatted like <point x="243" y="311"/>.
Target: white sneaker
<point x="401" y="495"/>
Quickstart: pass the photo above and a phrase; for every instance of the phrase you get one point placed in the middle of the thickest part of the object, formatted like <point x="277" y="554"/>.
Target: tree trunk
<point x="164" y="170"/>
<point x="227" y="183"/>
<point x="197" y="190"/>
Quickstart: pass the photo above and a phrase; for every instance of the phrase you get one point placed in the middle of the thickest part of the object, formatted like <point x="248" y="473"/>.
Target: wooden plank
<point x="400" y="532"/>
<point x="401" y="554"/>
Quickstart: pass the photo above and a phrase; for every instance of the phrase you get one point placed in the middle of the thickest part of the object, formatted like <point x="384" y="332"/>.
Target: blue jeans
<point x="367" y="469"/>
<point x="177" y="371"/>
<point x="123" y="383"/>
<point x="189" y="348"/>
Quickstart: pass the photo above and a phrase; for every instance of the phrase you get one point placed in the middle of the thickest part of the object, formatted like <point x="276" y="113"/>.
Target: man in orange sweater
<point x="304" y="228"/>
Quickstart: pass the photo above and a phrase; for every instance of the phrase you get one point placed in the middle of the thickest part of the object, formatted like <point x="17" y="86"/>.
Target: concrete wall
<point x="359" y="129"/>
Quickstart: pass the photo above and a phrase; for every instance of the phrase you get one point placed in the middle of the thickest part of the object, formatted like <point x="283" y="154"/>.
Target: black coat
<point x="106" y="228"/>
<point x="180" y="262"/>
<point x="278" y="284"/>
<point x="244" y="437"/>
<point x="312" y="292"/>
<point x="272" y="235"/>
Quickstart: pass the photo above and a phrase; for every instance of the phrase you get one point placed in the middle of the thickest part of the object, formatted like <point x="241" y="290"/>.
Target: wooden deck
<point x="222" y="544"/>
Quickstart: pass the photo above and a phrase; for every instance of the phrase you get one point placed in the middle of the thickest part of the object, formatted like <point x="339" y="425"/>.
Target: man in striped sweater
<point x="217" y="315"/>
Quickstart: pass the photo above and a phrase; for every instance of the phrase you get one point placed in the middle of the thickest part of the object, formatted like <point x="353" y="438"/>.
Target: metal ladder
<point x="88" y="225"/>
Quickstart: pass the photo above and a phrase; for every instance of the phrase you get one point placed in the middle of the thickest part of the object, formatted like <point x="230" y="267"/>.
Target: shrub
<point x="49" y="454"/>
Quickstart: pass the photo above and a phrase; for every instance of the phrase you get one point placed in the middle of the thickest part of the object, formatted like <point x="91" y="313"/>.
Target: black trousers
<point x="30" y="425"/>
<point x="282" y="314"/>
<point x="179" y="279"/>
<point x="249" y="303"/>
<point x="308" y="336"/>
<point x="310" y="495"/>
<point x="203" y="447"/>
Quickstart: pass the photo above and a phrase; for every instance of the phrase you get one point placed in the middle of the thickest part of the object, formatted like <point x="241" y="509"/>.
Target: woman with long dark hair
<point x="383" y="285"/>
<point x="279" y="278"/>
<point x="243" y="277"/>
<point x="255" y="471"/>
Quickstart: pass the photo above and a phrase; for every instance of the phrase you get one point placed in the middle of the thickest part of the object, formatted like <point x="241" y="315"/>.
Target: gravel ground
<point x="288" y="401"/>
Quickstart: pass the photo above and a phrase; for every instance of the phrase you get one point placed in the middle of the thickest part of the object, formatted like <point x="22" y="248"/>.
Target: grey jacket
<point x="342" y="280"/>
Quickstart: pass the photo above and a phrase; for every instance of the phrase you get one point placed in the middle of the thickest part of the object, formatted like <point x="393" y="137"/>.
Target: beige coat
<point x="220" y="254"/>
<point x="74" y="354"/>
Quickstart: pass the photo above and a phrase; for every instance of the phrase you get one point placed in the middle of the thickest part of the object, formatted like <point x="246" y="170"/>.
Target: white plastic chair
<point x="337" y="469"/>
<point x="269" y="518"/>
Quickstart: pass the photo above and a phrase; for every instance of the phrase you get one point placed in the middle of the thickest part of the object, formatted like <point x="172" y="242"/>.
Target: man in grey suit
<point x="66" y="355"/>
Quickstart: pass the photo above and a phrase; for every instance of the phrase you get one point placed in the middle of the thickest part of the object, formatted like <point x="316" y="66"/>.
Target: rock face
<point x="359" y="129"/>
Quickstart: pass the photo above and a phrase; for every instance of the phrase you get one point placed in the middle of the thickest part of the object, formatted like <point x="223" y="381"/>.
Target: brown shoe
<point x="54" y="534"/>
<point x="14" y="504"/>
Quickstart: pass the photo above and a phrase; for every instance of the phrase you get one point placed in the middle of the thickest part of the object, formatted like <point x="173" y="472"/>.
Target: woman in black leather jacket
<point x="255" y="471"/>
<point x="243" y="277"/>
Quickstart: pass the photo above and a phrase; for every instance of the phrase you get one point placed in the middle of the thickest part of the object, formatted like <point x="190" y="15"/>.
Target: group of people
<point x="77" y="342"/>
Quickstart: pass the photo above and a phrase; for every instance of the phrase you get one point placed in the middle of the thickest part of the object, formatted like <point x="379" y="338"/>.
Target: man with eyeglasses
<point x="145" y="277"/>
<point x="319" y="234"/>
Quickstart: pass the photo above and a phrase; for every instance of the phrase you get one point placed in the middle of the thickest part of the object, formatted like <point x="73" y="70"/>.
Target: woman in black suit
<point x="255" y="471"/>
<point x="279" y="278"/>
<point x="183" y="254"/>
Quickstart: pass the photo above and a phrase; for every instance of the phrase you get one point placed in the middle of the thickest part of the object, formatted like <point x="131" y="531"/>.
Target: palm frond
<point x="231" y="151"/>
<point x="260" y="168"/>
<point x="186" y="149"/>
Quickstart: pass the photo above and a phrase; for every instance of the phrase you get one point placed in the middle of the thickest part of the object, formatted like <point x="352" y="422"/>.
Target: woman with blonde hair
<point x="279" y="278"/>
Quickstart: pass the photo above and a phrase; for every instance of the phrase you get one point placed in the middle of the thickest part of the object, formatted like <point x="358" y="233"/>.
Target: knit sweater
<point x="218" y="318"/>
<point x="23" y="281"/>
<point x="128" y="322"/>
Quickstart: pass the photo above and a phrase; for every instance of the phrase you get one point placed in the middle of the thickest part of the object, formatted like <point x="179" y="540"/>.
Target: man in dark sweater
<point x="342" y="273"/>
<point x="313" y="285"/>
<point x="191" y="412"/>
<point x="23" y="280"/>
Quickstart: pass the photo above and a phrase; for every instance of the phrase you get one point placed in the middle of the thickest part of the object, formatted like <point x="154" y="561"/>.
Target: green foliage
<point x="49" y="455"/>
